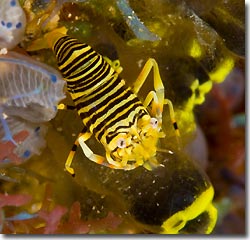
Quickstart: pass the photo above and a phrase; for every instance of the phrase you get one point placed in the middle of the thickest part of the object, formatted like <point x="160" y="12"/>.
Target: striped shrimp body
<point x="109" y="109"/>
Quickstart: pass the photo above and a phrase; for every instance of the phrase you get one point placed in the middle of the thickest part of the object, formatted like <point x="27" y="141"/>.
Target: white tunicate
<point x="12" y="23"/>
<point x="29" y="89"/>
<point x="29" y="94"/>
<point x="32" y="143"/>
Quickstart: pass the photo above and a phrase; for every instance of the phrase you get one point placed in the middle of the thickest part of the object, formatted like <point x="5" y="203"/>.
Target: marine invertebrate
<point x="20" y="140"/>
<point x="29" y="89"/>
<point x="29" y="93"/>
<point x="128" y="128"/>
<point x="12" y="23"/>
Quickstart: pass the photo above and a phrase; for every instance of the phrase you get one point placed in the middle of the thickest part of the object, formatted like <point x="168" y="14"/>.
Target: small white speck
<point x="140" y="63"/>
<point x="3" y="51"/>
<point x="59" y="129"/>
<point x="4" y="115"/>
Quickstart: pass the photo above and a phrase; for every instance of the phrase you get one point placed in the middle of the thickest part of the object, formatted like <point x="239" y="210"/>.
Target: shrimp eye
<point x="121" y="143"/>
<point x="154" y="122"/>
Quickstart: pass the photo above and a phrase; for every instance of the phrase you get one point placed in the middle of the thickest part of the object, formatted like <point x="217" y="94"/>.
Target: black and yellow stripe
<point x="101" y="97"/>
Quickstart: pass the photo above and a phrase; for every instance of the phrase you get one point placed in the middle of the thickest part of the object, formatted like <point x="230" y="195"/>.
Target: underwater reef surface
<point x="200" y="50"/>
